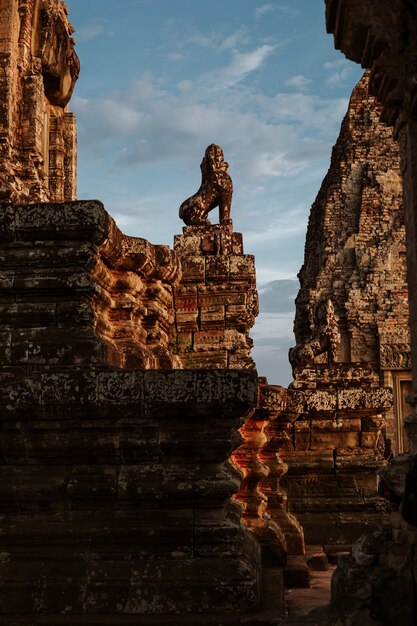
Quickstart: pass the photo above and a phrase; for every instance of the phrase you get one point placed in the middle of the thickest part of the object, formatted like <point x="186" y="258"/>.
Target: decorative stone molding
<point x="257" y="459"/>
<point x="37" y="133"/>
<point x="76" y="290"/>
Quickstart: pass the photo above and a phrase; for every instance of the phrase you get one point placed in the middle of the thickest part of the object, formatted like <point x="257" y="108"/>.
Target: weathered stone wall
<point x="334" y="449"/>
<point x="216" y="302"/>
<point x="38" y="71"/>
<point x="355" y="252"/>
<point x="352" y="333"/>
<point x="109" y="456"/>
<point x="75" y="290"/>
<point x="122" y="469"/>
<point x="377" y="584"/>
<point x="381" y="35"/>
<point x="114" y="507"/>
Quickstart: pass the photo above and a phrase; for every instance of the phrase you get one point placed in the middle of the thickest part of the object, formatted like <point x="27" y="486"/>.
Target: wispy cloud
<point x="277" y="164"/>
<point x="263" y="135"/>
<point x="95" y="29"/>
<point x="175" y="56"/>
<point x="299" y="82"/>
<point x="263" y="10"/>
<point x="285" y="9"/>
<point x="242" y="64"/>
<point x="278" y="295"/>
<point x="339" y="72"/>
<point x="308" y="110"/>
<point x="288" y="10"/>
<point x="218" y="40"/>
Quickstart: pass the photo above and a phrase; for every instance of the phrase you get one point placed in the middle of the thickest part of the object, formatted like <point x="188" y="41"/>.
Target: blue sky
<point x="162" y="79"/>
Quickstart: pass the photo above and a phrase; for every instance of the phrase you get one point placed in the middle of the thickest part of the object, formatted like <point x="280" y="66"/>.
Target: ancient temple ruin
<point x="351" y="328"/>
<point x="377" y="582"/>
<point x="37" y="132"/>
<point x="146" y="472"/>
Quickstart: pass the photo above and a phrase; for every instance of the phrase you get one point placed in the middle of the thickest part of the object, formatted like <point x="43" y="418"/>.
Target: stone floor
<point x="309" y="606"/>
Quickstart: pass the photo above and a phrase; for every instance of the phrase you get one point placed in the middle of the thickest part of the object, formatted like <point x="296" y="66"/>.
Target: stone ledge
<point x="154" y="392"/>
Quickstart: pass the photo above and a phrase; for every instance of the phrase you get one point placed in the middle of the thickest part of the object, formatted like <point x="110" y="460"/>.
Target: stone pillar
<point x="273" y="404"/>
<point x="253" y="460"/>
<point x="216" y="303"/>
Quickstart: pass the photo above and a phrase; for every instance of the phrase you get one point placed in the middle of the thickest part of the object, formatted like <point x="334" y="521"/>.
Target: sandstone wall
<point x="352" y="334"/>
<point x="355" y="251"/>
<point x="114" y="508"/>
<point x="216" y="302"/>
<point x="381" y="36"/>
<point x="37" y="133"/>
<point x="377" y="584"/>
<point x="75" y="290"/>
<point x="116" y="482"/>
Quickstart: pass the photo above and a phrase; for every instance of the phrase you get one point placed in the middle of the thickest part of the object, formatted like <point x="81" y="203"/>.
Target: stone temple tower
<point x="39" y="68"/>
<point x="351" y="363"/>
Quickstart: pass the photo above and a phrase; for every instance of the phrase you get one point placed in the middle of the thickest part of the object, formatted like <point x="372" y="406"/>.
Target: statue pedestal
<point x="217" y="302"/>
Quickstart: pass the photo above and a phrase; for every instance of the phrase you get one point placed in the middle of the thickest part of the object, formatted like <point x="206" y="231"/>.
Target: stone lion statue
<point x="216" y="189"/>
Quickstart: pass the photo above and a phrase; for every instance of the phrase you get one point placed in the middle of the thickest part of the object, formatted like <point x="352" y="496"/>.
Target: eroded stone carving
<point x="325" y="342"/>
<point x="351" y="333"/>
<point x="38" y="151"/>
<point x="216" y="189"/>
<point x="60" y="64"/>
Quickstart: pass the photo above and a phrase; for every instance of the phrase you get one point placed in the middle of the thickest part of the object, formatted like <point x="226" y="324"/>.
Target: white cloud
<point x="276" y="164"/>
<point x="218" y="40"/>
<point x="263" y="10"/>
<point x="108" y="118"/>
<point x="298" y="82"/>
<point x="288" y="10"/>
<point x="263" y="136"/>
<point x="242" y="64"/>
<point x="340" y="72"/>
<point x="185" y="85"/>
<point x="205" y="41"/>
<point x="289" y="224"/>
<point x="96" y="28"/>
<point x="308" y="110"/>
<point x="175" y="56"/>
<point x="233" y="40"/>
<point x="285" y="9"/>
